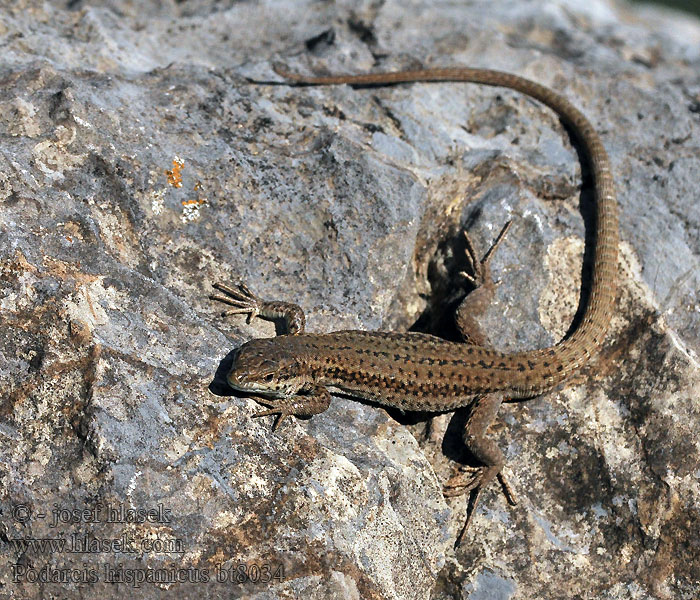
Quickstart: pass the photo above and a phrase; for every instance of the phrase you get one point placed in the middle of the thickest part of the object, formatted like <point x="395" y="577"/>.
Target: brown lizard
<point x="291" y="374"/>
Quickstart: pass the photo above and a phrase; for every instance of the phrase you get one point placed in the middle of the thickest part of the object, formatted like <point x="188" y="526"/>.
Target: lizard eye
<point x="269" y="377"/>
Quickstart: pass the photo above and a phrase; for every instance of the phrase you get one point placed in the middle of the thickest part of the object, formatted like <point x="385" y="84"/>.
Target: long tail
<point x="535" y="371"/>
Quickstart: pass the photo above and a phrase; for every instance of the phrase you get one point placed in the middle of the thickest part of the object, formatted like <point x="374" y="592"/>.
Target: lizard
<point x="291" y="374"/>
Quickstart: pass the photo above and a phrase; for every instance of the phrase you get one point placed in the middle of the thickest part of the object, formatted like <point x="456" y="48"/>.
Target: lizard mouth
<point x="237" y="383"/>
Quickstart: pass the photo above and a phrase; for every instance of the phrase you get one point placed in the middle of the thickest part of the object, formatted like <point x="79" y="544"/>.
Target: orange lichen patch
<point x="175" y="174"/>
<point x="197" y="202"/>
<point x="190" y="209"/>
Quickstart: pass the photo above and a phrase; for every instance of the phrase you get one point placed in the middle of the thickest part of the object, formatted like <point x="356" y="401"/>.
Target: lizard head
<point x="266" y="367"/>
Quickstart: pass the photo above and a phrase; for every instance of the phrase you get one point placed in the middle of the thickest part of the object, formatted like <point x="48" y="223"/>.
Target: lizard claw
<point x="474" y="482"/>
<point x="480" y="272"/>
<point x="242" y="299"/>
<point x="312" y="401"/>
<point x="274" y="408"/>
<point x="458" y="484"/>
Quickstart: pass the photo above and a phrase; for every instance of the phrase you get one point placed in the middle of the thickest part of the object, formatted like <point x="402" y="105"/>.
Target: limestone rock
<point x="138" y="165"/>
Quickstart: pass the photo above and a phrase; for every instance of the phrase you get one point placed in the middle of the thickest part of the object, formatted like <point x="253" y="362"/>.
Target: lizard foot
<point x="241" y="298"/>
<point x="472" y="480"/>
<point x="282" y="408"/>
<point x="480" y="272"/>
<point x="312" y="401"/>
<point x="246" y="302"/>
<point x="463" y="481"/>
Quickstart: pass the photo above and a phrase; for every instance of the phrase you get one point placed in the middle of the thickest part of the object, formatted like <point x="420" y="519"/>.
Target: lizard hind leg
<point x="477" y="301"/>
<point x="482" y="412"/>
<point x="480" y="268"/>
<point x="472" y="480"/>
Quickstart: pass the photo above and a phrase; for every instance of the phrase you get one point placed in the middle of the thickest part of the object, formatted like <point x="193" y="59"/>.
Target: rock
<point x="138" y="166"/>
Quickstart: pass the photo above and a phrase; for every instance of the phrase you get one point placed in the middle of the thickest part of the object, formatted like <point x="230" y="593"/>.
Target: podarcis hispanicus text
<point x="291" y="374"/>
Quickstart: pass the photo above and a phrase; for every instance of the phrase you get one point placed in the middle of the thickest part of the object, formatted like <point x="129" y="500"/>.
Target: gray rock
<point x="138" y="166"/>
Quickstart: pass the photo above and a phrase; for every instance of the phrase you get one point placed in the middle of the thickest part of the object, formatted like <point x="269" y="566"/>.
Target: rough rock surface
<point x="138" y="166"/>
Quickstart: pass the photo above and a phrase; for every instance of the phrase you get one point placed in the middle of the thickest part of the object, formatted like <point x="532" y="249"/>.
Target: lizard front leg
<point x="246" y="302"/>
<point x="311" y="400"/>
